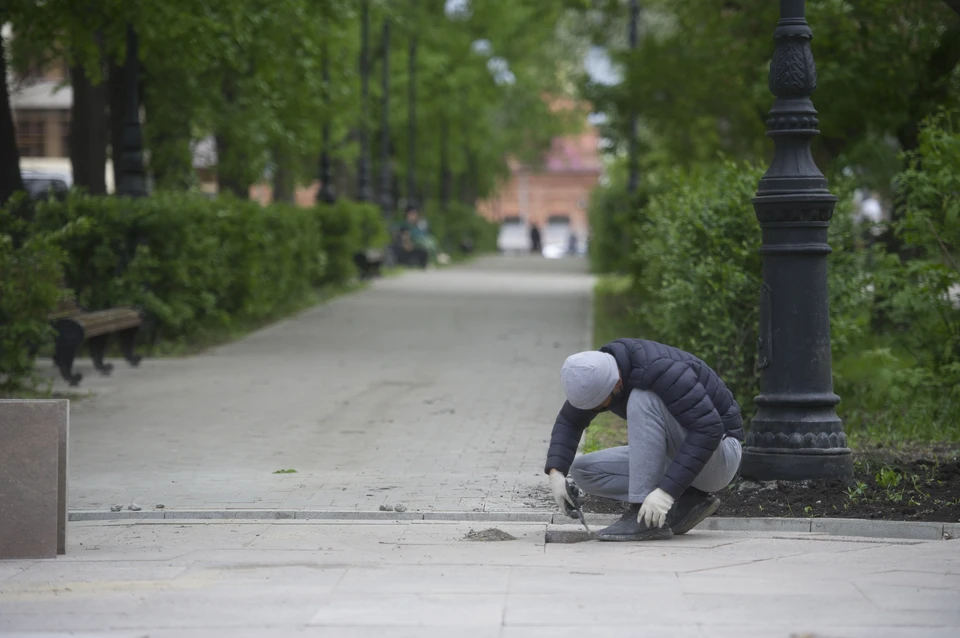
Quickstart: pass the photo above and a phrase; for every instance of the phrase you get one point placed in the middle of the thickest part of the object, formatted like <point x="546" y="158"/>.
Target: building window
<point x="31" y="135"/>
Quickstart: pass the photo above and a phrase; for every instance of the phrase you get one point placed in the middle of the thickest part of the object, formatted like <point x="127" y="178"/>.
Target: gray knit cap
<point x="589" y="378"/>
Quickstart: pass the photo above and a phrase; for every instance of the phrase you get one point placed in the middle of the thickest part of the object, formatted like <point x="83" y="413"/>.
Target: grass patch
<point x="607" y="430"/>
<point x="41" y="393"/>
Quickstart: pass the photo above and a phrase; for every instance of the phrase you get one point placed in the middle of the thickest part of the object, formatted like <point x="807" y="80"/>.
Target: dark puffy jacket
<point x="692" y="392"/>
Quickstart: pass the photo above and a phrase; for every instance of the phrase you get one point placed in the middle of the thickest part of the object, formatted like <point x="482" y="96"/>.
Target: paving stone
<point x="730" y="524"/>
<point x="32" y="446"/>
<point x="515" y="517"/>
<point x="112" y="516"/>
<point x="228" y="514"/>
<point x="401" y="415"/>
<point x="359" y="516"/>
<point x="880" y="529"/>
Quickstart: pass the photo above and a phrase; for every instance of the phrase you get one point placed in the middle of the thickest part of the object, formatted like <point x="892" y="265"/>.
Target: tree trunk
<point x="10" y="179"/>
<point x="88" y="132"/>
<point x="230" y="165"/>
<point x="282" y="178"/>
<point x="168" y="135"/>
<point x="228" y="181"/>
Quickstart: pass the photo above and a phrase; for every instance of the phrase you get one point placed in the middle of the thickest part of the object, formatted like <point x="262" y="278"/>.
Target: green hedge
<point x="194" y="264"/>
<point x="697" y="271"/>
<point x="693" y="276"/>
<point x="459" y="224"/>
<point x="29" y="271"/>
<point x="348" y="227"/>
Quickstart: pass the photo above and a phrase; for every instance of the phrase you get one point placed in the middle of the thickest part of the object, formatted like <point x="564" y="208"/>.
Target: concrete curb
<point x="829" y="526"/>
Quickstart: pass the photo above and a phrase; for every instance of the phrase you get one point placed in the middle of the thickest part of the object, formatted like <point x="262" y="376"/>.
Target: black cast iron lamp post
<point x="796" y="433"/>
<point x="133" y="175"/>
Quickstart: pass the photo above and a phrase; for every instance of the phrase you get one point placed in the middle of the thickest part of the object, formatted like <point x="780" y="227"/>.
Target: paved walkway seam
<point x="915" y="530"/>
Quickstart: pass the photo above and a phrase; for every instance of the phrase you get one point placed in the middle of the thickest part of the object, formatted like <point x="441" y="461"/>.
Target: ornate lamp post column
<point x="327" y="194"/>
<point x="412" y="123"/>
<point x="796" y="433"/>
<point x="363" y="163"/>
<point x="133" y="175"/>
<point x="632" y="162"/>
<point x="386" y="198"/>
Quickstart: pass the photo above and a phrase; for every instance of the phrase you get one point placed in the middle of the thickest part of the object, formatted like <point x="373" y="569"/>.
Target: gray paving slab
<point x="422" y="578"/>
<point x="435" y="390"/>
<point x="860" y="527"/>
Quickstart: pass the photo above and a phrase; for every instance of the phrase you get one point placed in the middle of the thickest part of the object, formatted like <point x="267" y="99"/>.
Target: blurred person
<point x="536" y="242"/>
<point x="412" y="244"/>
<point x="684" y="432"/>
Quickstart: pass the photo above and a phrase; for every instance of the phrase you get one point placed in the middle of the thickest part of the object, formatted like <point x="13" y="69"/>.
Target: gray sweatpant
<point x="630" y="472"/>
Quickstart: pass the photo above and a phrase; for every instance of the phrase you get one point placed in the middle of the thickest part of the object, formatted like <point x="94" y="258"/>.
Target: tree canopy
<point x="249" y="74"/>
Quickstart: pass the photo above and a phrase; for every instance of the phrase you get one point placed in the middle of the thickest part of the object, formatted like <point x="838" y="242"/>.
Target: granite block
<point x="30" y="483"/>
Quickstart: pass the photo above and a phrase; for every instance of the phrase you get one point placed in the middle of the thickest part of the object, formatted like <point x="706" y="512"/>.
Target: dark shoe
<point x="628" y="529"/>
<point x="690" y="509"/>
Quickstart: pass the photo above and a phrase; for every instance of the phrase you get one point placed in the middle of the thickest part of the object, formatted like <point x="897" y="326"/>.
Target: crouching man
<point x="683" y="432"/>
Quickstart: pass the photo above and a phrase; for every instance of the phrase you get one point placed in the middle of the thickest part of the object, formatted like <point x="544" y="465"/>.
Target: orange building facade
<point x="558" y="190"/>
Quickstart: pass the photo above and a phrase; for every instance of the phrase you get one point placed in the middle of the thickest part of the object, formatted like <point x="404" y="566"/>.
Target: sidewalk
<point x="436" y="390"/>
<point x="232" y="579"/>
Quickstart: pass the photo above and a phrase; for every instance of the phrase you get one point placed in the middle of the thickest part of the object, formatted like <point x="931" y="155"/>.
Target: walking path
<point x="436" y="390"/>
<point x="170" y="579"/>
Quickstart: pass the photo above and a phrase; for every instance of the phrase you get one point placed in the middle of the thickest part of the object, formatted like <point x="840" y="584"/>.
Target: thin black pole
<point x="327" y="193"/>
<point x="633" y="169"/>
<point x="412" y="123"/>
<point x="386" y="198"/>
<point x="363" y="163"/>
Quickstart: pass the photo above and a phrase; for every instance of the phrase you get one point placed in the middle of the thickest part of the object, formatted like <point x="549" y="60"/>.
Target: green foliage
<point x="347" y="228"/>
<point x="895" y="324"/>
<point x="197" y="264"/>
<point x="461" y="225"/>
<point x="707" y="305"/>
<point x="722" y="51"/>
<point x="29" y="277"/>
<point x="612" y="209"/>
<point x="904" y="378"/>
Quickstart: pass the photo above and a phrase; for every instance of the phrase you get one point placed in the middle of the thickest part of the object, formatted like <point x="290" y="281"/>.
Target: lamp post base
<point x="795" y="466"/>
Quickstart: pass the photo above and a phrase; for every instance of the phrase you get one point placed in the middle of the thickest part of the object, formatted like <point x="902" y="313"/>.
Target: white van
<point x="514" y="236"/>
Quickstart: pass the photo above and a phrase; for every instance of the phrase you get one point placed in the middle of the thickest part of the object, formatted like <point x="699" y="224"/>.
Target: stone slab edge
<point x="832" y="526"/>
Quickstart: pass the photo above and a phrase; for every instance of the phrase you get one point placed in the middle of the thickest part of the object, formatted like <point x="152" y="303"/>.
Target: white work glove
<point x="558" y="484"/>
<point x="653" y="511"/>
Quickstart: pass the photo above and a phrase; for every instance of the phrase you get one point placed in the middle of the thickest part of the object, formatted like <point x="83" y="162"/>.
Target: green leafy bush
<point x="696" y="272"/>
<point x="349" y="227"/>
<point x="198" y="264"/>
<point x="461" y="225"/>
<point x="612" y="211"/>
<point x="904" y="379"/>
<point x="29" y="277"/>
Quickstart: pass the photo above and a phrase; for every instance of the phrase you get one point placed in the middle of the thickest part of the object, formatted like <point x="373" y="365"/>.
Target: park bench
<point x="369" y="263"/>
<point x="75" y="324"/>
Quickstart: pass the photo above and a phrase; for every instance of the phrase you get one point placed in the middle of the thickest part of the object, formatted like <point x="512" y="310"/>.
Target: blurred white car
<point x="42" y="184"/>
<point x="556" y="237"/>
<point x="514" y="236"/>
